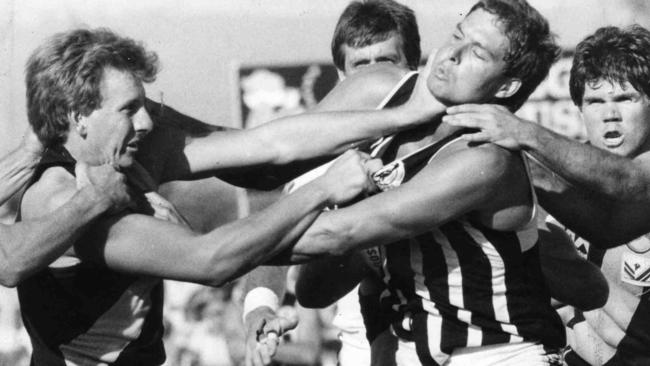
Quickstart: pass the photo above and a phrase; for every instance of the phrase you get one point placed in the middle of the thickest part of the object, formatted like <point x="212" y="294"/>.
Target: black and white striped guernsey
<point x="464" y="285"/>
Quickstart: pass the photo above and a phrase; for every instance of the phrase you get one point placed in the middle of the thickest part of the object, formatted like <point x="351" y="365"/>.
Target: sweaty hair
<point x="613" y="54"/>
<point x="532" y="48"/>
<point x="63" y="76"/>
<point x="364" y="23"/>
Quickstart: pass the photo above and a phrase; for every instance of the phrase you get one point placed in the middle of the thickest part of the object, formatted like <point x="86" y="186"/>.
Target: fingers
<point x="476" y="108"/>
<point x="471" y="120"/>
<point x="268" y="346"/>
<point x="477" y="137"/>
<point x="81" y="172"/>
<point x="280" y="325"/>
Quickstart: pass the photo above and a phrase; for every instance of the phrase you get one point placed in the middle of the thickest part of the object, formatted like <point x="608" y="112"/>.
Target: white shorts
<point x="507" y="354"/>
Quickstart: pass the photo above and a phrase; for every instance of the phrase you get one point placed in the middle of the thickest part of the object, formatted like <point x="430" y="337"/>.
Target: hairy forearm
<point x="252" y="241"/>
<point x="28" y="246"/>
<point x="585" y="166"/>
<point x="602" y="221"/>
<point x="16" y="168"/>
<point x="142" y="245"/>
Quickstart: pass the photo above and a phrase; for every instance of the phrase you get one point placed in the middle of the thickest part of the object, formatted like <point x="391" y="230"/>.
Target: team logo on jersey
<point x="635" y="269"/>
<point x="390" y="176"/>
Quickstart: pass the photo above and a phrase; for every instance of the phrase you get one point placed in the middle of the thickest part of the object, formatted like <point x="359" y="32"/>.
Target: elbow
<point x="9" y="281"/>
<point x="11" y="273"/>
<point x="10" y="276"/>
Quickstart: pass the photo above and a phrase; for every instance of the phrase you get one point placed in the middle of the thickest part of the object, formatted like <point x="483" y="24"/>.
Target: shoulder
<point x="486" y="161"/>
<point x="363" y="90"/>
<point x="54" y="188"/>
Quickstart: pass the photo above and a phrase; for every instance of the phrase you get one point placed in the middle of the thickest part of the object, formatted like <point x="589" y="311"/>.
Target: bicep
<point x="444" y="190"/>
<point x="143" y="245"/>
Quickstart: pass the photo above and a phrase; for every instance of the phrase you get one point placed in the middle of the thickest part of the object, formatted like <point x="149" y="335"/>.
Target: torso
<point x="466" y="284"/>
<point x="88" y="314"/>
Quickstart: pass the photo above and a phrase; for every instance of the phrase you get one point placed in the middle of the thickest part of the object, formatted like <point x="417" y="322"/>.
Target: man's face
<point x="389" y="51"/>
<point x="617" y="117"/>
<point x="113" y="131"/>
<point x="469" y="67"/>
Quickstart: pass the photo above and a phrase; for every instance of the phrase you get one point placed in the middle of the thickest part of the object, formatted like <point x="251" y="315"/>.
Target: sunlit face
<point x="617" y="117"/>
<point x="114" y="130"/>
<point x="469" y="67"/>
<point x="388" y="51"/>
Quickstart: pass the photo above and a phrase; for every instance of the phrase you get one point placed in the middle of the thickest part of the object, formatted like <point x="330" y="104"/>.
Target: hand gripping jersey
<point x="78" y="313"/>
<point x="463" y="284"/>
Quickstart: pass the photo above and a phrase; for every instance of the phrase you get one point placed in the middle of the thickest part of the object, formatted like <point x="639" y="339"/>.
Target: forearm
<point x="29" y="246"/>
<point x="601" y="221"/>
<point x="310" y="135"/>
<point x="16" y="169"/>
<point x="142" y="245"/>
<point x="254" y="240"/>
<point x="588" y="167"/>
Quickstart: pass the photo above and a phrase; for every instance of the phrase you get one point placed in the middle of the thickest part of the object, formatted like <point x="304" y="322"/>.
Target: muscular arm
<point x="31" y="245"/>
<point x="609" y="200"/>
<point x="468" y="181"/>
<point x="276" y="149"/>
<point x="143" y="245"/>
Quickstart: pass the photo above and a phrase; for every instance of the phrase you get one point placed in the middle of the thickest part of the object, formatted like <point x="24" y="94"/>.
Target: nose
<point x="611" y="113"/>
<point x="142" y="122"/>
<point x="454" y="52"/>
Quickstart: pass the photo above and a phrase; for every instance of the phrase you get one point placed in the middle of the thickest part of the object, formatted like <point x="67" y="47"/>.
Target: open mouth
<point x="132" y="146"/>
<point x="613" y="139"/>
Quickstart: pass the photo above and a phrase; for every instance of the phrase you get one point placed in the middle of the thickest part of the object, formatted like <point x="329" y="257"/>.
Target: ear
<point x="78" y="122"/>
<point x="341" y="74"/>
<point x="508" y="88"/>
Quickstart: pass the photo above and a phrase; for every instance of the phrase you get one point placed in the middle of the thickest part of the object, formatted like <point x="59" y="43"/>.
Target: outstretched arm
<point x="143" y="245"/>
<point x="324" y="132"/>
<point x="462" y="182"/>
<point x="30" y="245"/>
<point x="609" y="200"/>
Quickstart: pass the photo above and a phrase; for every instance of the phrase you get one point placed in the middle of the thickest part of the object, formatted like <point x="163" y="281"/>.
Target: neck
<point x="74" y="145"/>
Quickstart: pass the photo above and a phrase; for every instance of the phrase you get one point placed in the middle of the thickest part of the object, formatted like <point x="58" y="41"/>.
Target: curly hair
<point x="613" y="54"/>
<point x="532" y="47"/>
<point x="364" y="23"/>
<point x="63" y="76"/>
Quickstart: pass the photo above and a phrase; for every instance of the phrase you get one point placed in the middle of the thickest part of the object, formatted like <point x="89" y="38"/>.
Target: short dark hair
<point x="532" y="49"/>
<point x="367" y="22"/>
<point x="63" y="76"/>
<point x="613" y="54"/>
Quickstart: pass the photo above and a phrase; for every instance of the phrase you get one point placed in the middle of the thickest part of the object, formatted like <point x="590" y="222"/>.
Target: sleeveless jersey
<point x="464" y="285"/>
<point x="82" y="314"/>
<point x="627" y="266"/>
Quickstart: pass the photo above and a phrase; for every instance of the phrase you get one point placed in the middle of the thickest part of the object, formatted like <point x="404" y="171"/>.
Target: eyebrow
<point x="477" y="43"/>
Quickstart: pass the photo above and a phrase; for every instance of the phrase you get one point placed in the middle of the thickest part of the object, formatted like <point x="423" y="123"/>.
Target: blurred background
<point x="239" y="63"/>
